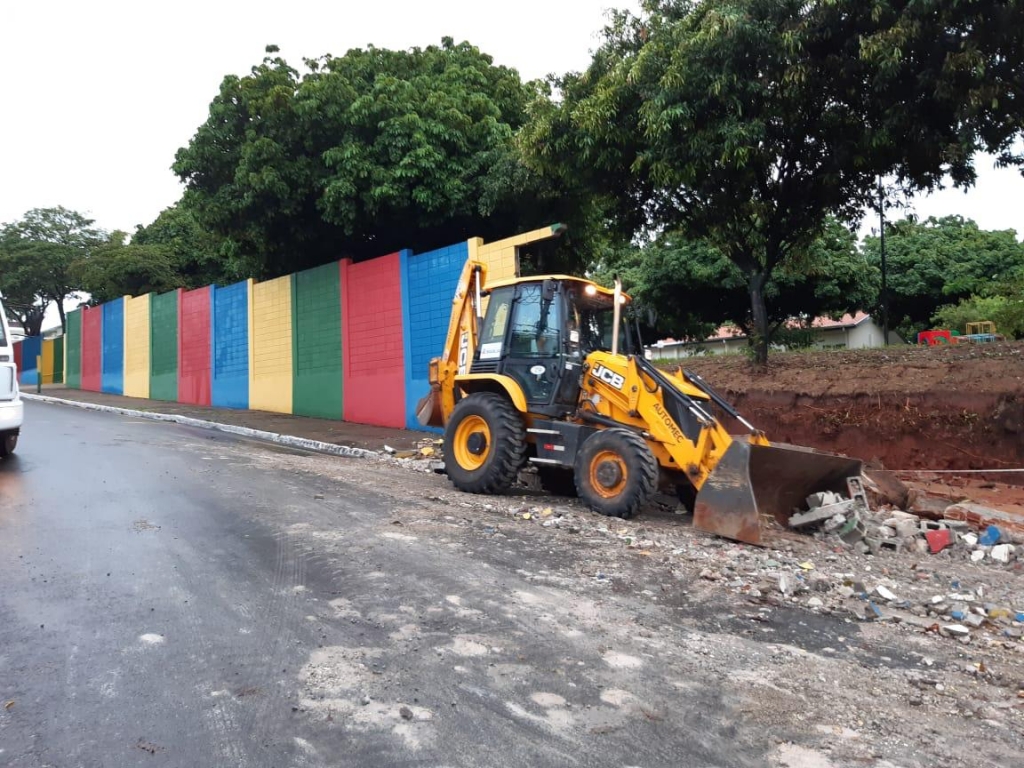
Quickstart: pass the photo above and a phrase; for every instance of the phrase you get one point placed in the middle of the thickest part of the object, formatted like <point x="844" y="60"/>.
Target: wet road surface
<point x="172" y="597"/>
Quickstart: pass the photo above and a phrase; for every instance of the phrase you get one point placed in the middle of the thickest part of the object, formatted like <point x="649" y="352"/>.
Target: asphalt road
<point x="173" y="597"/>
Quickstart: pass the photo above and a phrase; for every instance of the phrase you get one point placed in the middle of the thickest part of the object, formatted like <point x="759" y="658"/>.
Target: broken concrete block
<point x="853" y="531"/>
<point x="885" y="593"/>
<point x="938" y="540"/>
<point x="974" y="620"/>
<point x="885" y="532"/>
<point x="977" y="555"/>
<point x="855" y="487"/>
<point x="957" y="630"/>
<point x="834" y="522"/>
<point x="1001" y="553"/>
<point x="970" y="539"/>
<point x="823" y="499"/>
<point x="821" y="513"/>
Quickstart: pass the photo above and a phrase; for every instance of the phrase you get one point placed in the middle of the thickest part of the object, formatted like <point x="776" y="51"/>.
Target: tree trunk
<point x="63" y="317"/>
<point x="759" y="312"/>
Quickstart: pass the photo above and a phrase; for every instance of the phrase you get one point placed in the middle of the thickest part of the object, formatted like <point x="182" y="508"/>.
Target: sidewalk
<point x="322" y="430"/>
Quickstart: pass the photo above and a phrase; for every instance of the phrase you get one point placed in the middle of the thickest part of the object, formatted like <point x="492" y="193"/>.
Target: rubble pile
<point x="849" y="521"/>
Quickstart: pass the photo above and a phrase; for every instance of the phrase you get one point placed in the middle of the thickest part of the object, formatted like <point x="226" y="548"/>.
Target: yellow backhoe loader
<point x="545" y="370"/>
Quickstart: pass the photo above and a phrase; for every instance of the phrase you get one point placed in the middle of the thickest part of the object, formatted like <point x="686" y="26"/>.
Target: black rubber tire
<point x="687" y="495"/>
<point x="505" y="453"/>
<point x="558" y="481"/>
<point x="8" y="442"/>
<point x="641" y="478"/>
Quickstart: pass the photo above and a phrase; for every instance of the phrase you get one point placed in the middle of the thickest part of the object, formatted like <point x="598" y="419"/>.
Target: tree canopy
<point x="746" y="123"/>
<point x="364" y="154"/>
<point x="690" y="288"/>
<point x="115" y="269"/>
<point x="942" y="261"/>
<point x="43" y="246"/>
<point x="196" y="254"/>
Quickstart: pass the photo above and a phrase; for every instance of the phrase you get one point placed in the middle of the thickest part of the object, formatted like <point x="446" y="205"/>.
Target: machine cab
<point x="539" y="332"/>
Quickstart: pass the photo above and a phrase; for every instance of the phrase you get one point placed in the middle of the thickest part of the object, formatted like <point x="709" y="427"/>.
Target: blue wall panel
<point x="428" y="286"/>
<point x="113" y="347"/>
<point x="229" y="348"/>
<point x="31" y="348"/>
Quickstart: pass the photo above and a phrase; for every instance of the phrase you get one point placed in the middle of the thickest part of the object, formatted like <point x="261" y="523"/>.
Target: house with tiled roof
<point x="856" y="331"/>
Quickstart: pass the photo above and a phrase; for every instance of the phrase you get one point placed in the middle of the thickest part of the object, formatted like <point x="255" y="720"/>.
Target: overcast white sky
<point x="99" y="94"/>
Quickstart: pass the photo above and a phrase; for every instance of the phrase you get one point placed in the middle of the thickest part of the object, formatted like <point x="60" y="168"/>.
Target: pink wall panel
<point x="374" y="357"/>
<point x="194" y="385"/>
<point x="92" y="348"/>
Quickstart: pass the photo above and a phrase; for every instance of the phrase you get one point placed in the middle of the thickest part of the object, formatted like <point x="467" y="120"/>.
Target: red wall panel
<point x="194" y="348"/>
<point x="374" y="358"/>
<point x="92" y="348"/>
<point x="17" y="356"/>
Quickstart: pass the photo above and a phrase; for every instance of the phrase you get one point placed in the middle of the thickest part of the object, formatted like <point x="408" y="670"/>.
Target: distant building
<point x="849" y="332"/>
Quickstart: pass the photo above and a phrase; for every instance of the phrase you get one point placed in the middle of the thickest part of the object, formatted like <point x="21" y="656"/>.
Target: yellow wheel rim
<point x="608" y="474"/>
<point x="472" y="442"/>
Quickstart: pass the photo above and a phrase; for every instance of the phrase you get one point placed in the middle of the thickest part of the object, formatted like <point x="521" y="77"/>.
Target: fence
<point x="341" y="341"/>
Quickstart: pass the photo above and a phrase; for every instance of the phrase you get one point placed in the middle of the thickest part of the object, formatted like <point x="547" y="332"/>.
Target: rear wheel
<point x="8" y="442"/>
<point x="558" y="481"/>
<point x="615" y="472"/>
<point x="484" y="444"/>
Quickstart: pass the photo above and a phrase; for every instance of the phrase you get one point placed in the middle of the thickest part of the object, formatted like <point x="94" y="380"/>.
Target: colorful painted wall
<point x="346" y="340"/>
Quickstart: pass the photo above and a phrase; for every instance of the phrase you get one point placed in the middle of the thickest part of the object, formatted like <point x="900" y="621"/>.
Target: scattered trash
<point x="8" y="704"/>
<point x="990" y="537"/>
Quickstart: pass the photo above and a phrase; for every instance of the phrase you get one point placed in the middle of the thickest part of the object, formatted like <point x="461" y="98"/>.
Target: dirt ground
<point x="904" y="409"/>
<point x="842" y="658"/>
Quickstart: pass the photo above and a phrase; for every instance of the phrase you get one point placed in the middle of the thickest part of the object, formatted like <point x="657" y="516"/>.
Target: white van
<point x="11" y="409"/>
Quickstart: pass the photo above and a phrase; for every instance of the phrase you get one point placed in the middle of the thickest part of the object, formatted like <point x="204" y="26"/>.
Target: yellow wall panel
<point x="270" y="344"/>
<point x="46" y="372"/>
<point x="502" y="256"/>
<point x="136" y="346"/>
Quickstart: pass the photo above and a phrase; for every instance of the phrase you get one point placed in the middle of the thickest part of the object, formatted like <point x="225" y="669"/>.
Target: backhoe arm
<point x="460" y="343"/>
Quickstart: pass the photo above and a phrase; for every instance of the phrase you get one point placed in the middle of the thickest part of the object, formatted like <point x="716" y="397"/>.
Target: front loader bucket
<point x="428" y="409"/>
<point x="753" y="484"/>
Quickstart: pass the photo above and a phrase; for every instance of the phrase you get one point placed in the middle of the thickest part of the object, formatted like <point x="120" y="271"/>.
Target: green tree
<point x="365" y="154"/>
<point x="117" y="269"/>
<point x="196" y="253"/>
<point x="942" y="261"/>
<point x="20" y="281"/>
<point x="691" y="288"/>
<point x="746" y="123"/>
<point x="1006" y="310"/>
<point x="46" y="242"/>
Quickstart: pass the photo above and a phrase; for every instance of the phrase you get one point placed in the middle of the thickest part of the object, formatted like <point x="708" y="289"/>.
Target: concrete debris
<point x="1001" y="553"/>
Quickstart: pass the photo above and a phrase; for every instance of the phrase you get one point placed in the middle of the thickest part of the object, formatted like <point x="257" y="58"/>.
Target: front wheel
<point x="484" y="444"/>
<point x="615" y="472"/>
<point x="8" y="442"/>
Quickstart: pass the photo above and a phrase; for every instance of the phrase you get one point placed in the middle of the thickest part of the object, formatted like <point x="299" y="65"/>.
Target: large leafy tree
<point x="20" y="282"/>
<point x="364" y="154"/>
<point x="942" y="261"/>
<point x="747" y="122"/>
<point x="688" y="287"/>
<point x="45" y="243"/>
<point x="116" y="269"/>
<point x="196" y="254"/>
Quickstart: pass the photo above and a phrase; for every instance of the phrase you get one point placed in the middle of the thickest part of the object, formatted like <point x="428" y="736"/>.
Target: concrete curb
<point x="258" y="434"/>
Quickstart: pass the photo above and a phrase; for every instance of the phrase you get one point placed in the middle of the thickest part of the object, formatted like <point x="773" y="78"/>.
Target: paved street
<point x="169" y="598"/>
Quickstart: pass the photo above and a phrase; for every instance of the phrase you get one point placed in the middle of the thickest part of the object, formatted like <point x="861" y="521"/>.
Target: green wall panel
<point x="316" y="342"/>
<point x="58" y="360"/>
<point x="74" y="344"/>
<point x="163" y="334"/>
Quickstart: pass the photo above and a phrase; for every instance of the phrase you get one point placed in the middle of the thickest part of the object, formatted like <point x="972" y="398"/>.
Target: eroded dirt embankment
<point x="903" y="408"/>
<point x="950" y="430"/>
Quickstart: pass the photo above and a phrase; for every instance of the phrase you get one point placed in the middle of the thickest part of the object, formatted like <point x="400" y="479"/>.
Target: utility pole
<point x="881" y="243"/>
